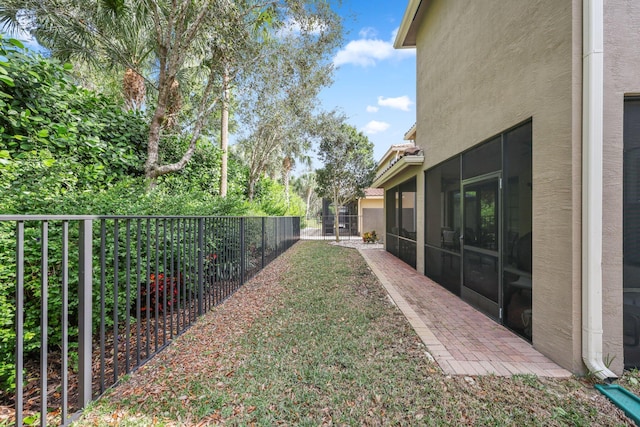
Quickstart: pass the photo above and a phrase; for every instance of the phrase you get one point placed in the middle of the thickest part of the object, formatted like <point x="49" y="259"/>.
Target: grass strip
<point x="317" y="342"/>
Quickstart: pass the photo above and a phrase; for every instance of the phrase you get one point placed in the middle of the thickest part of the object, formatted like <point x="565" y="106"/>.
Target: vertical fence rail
<point x="116" y="275"/>
<point x="138" y="289"/>
<point x="156" y="285"/>
<point x="154" y="276"/>
<point x="172" y="287"/>
<point x="85" y="311"/>
<point x="44" y="317"/>
<point x="18" y="400"/>
<point x="131" y="272"/>
<point x="243" y="255"/>
<point x="103" y="281"/>
<point x="200" y="258"/>
<point x="65" y="321"/>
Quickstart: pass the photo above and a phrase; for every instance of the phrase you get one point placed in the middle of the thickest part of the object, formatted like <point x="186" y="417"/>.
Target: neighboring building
<point x="371" y="211"/>
<point x="503" y="208"/>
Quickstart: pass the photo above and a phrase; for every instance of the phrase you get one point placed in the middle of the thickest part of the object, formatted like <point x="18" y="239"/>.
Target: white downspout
<point x="592" y="143"/>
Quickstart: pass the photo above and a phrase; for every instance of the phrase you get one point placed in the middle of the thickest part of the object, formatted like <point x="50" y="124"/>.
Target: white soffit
<point x="406" y="37"/>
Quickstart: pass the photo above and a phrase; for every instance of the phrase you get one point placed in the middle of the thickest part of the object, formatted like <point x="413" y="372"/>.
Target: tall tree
<point x="279" y="96"/>
<point x="348" y="164"/>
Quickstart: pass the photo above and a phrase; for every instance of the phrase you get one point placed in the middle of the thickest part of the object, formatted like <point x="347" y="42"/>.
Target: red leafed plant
<point x="157" y="291"/>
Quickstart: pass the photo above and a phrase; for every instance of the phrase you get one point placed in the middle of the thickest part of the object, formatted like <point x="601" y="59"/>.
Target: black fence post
<point x="116" y="269"/>
<point x="200" y="264"/>
<point x="242" y="252"/>
<point x="276" y="236"/>
<point x="263" y="248"/>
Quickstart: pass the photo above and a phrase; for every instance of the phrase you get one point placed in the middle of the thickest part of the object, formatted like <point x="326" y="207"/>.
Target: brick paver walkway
<point x="461" y="339"/>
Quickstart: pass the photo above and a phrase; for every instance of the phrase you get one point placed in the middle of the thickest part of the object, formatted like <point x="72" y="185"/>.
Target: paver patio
<point x="462" y="340"/>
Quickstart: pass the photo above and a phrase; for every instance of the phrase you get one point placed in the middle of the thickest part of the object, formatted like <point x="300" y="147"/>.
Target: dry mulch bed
<point x="205" y="350"/>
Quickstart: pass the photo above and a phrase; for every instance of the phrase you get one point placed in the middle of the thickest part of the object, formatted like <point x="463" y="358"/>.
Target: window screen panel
<point x="482" y="160"/>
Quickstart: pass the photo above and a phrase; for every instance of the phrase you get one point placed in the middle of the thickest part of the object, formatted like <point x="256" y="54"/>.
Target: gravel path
<point x="358" y="244"/>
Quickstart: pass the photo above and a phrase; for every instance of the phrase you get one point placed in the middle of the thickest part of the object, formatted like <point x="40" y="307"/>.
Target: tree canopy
<point x="348" y="164"/>
<point x="68" y="150"/>
<point x="174" y="55"/>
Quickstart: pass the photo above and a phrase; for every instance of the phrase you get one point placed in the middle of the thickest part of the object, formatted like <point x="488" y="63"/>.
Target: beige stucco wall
<point x="622" y="77"/>
<point x="483" y="67"/>
<point x="369" y="203"/>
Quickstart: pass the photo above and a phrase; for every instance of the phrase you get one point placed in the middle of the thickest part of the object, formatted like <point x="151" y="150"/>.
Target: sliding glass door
<point x="631" y="240"/>
<point x="481" y="238"/>
<point x="478" y="227"/>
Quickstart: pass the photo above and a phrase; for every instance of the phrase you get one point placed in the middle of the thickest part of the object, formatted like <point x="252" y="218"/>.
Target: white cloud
<point x="394" y="33"/>
<point x="364" y="53"/>
<point x="372" y="109"/>
<point x="399" y="103"/>
<point x="368" y="33"/>
<point x="368" y="51"/>
<point x="375" y="126"/>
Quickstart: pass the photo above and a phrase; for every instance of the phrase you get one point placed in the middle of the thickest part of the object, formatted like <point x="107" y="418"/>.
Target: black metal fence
<point x="110" y="293"/>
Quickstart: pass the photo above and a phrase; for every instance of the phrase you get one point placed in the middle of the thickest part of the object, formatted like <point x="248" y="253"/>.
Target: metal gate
<point x="322" y="227"/>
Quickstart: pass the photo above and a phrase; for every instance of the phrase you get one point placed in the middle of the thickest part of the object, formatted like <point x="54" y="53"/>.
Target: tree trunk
<point x="155" y="127"/>
<point x="252" y="188"/>
<point x="152" y="144"/>
<point x="174" y="104"/>
<point x="224" y="134"/>
<point x="287" y="164"/>
<point x="133" y="89"/>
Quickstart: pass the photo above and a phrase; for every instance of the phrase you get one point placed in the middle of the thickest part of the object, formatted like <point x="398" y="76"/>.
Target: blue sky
<point x="374" y="83"/>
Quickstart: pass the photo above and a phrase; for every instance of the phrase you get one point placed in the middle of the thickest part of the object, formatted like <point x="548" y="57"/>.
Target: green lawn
<point x="314" y="340"/>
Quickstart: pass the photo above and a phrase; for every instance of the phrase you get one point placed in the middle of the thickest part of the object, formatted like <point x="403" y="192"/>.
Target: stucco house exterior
<point x="525" y="198"/>
<point x="371" y="211"/>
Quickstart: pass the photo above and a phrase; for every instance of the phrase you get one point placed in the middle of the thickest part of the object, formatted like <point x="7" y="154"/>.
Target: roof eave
<point x="410" y="135"/>
<point x="392" y="153"/>
<point x="401" y="165"/>
<point x="401" y="41"/>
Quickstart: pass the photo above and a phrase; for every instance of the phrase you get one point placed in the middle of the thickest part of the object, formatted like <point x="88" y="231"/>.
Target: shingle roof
<point x="374" y="192"/>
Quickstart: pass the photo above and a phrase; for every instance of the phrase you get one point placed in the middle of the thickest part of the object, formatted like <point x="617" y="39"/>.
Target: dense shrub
<point x="202" y="172"/>
<point x="69" y="138"/>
